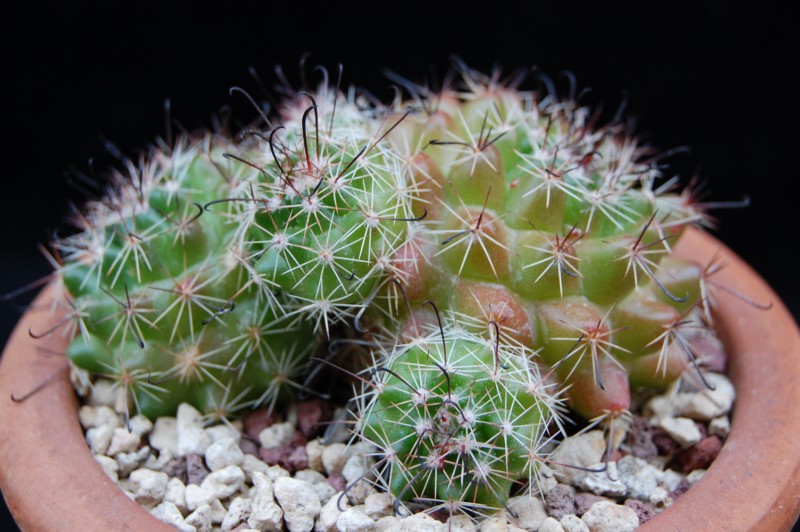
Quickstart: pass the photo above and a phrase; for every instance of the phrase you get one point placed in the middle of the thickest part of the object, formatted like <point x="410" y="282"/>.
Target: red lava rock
<point x="683" y="487"/>
<point x="298" y="459"/>
<point x="441" y="515"/>
<point x="643" y="510"/>
<point x="292" y="456"/>
<point x="311" y="415"/>
<point x="275" y="456"/>
<point x="257" y="421"/>
<point x="298" y="440"/>
<point x="584" y="501"/>
<point x="615" y="456"/>
<point x="639" y="440"/>
<point x="337" y="481"/>
<point x="248" y="446"/>
<point x="176" y="468"/>
<point x="560" y="501"/>
<point x="710" y="350"/>
<point x="699" y="455"/>
<point x="664" y="443"/>
<point x="196" y="470"/>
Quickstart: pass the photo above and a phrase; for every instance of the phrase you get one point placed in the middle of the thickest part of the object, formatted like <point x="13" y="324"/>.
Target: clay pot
<point x="51" y="481"/>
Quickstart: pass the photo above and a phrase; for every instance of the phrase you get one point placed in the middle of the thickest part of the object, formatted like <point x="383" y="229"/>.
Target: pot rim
<point x="754" y="483"/>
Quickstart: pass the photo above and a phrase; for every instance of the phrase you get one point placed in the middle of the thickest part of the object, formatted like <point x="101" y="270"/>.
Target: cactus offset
<point x="460" y="419"/>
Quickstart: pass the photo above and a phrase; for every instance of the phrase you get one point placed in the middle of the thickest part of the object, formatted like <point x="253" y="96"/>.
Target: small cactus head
<point x="459" y="418"/>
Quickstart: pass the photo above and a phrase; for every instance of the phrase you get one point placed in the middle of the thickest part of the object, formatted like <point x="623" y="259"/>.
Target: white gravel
<point x="242" y="492"/>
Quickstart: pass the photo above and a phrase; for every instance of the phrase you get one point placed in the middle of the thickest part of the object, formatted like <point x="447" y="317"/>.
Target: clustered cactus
<point x="500" y="251"/>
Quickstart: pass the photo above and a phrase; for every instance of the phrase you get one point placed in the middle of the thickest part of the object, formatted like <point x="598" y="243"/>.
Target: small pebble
<point x="224" y="482"/>
<point x="417" y="523"/>
<point x="660" y="406"/>
<point x="644" y="511"/>
<point x="192" y="439"/>
<point x="660" y="498"/>
<point x="603" y="482"/>
<point x="700" y="455"/>
<point x="196" y="496"/>
<point x="682" y="429"/>
<point x="238" y="513"/>
<point x="104" y="393"/>
<point x="560" y="501"/>
<point x="693" y="477"/>
<point x="460" y="523"/>
<point x="573" y="523"/>
<point x="356" y="469"/>
<point x="320" y="484"/>
<point x="582" y="450"/>
<point x="314" y="451"/>
<point x="720" y="426"/>
<point x="639" y="440"/>
<point x="158" y="461"/>
<point x="251" y="464"/>
<point x="123" y="441"/>
<point x="670" y="479"/>
<point x="330" y="512"/>
<point x="166" y="512"/>
<point x="173" y="467"/>
<point x="390" y="522"/>
<point x="257" y="421"/>
<point x="299" y="502"/>
<point x="354" y="520"/>
<point x="276" y="436"/>
<point x="130" y="461"/>
<point x="219" y="432"/>
<point x="164" y="435"/>
<point x="584" y="501"/>
<point x="379" y="505"/>
<point x="109" y="465"/>
<point x="222" y="453"/>
<point x="265" y="514"/>
<point x="201" y="519"/>
<point x="87" y="416"/>
<point x="530" y="512"/>
<point x="609" y="517"/>
<point x="639" y="477"/>
<point x="550" y="525"/>
<point x="99" y="438"/>
<point x="547" y="479"/>
<point x="310" y="416"/>
<point x="196" y="471"/>
<point x="140" y="425"/>
<point x="148" y="486"/>
<point x="334" y="457"/>
<point x="176" y="494"/>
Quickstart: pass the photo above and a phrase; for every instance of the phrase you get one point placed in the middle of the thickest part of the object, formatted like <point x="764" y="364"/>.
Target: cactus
<point x="548" y="237"/>
<point x="214" y="268"/>
<point x="460" y="419"/>
<point x="149" y="279"/>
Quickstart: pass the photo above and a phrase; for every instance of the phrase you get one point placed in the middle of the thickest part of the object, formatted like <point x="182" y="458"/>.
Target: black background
<point x="709" y="76"/>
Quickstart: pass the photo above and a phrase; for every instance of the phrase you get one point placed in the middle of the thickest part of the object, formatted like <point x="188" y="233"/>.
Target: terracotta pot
<point x="51" y="482"/>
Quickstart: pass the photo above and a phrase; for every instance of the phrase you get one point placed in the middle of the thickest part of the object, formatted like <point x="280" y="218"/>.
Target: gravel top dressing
<point x="271" y="472"/>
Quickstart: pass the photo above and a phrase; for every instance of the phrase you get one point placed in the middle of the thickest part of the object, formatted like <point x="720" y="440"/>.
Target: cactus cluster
<point x="214" y="267"/>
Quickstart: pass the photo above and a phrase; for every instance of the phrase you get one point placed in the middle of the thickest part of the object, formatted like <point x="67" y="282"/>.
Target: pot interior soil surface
<point x="51" y="481"/>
